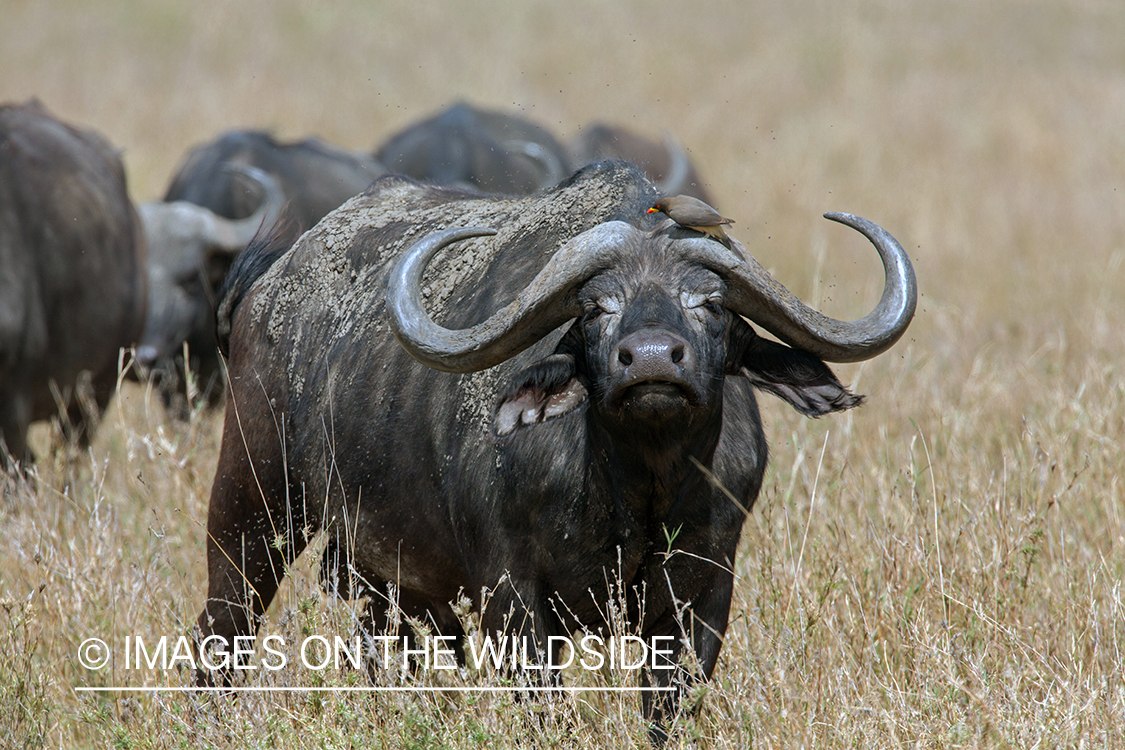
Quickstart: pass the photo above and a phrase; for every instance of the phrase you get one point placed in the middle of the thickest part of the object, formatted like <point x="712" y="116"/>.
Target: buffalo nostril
<point x="624" y="357"/>
<point x="677" y="354"/>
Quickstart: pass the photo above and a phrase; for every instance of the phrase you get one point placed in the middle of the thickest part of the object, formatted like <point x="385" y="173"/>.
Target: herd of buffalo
<point x="476" y="359"/>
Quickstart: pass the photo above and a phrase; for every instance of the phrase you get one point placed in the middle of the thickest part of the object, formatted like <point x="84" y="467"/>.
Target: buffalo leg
<point x="522" y="611"/>
<point x="14" y="420"/>
<point x="701" y="623"/>
<point x="253" y="533"/>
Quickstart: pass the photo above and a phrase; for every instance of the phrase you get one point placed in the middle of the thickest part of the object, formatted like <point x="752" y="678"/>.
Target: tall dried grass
<point x="941" y="568"/>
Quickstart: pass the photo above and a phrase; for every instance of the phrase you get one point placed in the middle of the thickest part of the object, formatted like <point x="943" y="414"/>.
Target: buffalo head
<point x="189" y="250"/>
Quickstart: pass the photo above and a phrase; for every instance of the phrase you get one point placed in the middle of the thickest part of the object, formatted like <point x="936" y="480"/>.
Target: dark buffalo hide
<point x="72" y="275"/>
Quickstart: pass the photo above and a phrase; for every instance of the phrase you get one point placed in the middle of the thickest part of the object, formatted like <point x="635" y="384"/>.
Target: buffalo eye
<point x="594" y="309"/>
<point x="712" y="303"/>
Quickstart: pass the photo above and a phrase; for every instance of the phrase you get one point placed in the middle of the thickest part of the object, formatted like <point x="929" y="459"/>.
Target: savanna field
<point x="941" y="568"/>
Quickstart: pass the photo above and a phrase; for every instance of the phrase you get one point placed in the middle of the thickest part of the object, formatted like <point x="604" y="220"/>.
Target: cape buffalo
<point x="579" y="429"/>
<point x="310" y="177"/>
<point x="72" y="279"/>
<point x="465" y="146"/>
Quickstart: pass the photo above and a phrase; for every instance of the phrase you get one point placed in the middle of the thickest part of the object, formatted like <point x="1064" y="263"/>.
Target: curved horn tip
<point x="844" y="218"/>
<point x="801" y="327"/>
<point x="866" y="227"/>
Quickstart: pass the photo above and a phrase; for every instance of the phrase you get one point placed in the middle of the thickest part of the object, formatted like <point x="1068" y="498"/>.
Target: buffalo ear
<point x="547" y="389"/>
<point x="800" y="379"/>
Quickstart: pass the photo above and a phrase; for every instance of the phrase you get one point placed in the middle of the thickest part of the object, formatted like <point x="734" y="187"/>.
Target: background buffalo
<point x="465" y="146"/>
<point x="298" y="183"/>
<point x="665" y="162"/>
<point x="73" y="286"/>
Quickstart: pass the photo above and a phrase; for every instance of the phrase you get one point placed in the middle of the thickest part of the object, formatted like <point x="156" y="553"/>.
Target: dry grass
<point x="942" y="568"/>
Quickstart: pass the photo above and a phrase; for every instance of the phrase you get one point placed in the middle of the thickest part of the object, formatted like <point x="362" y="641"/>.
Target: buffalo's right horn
<point x="542" y="306"/>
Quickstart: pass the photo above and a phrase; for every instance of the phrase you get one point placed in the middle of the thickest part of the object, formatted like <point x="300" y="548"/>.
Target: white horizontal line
<point x="370" y="689"/>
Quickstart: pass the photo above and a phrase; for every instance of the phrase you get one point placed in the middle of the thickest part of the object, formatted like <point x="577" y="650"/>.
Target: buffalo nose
<point x="652" y="355"/>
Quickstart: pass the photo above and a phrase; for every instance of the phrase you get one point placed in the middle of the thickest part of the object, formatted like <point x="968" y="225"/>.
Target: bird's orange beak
<point x="653" y="210"/>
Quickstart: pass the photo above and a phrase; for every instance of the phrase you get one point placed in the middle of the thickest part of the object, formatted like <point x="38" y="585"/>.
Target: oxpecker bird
<point x="693" y="213"/>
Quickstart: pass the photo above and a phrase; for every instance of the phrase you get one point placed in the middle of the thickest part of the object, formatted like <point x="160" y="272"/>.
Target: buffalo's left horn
<point x="753" y="293"/>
